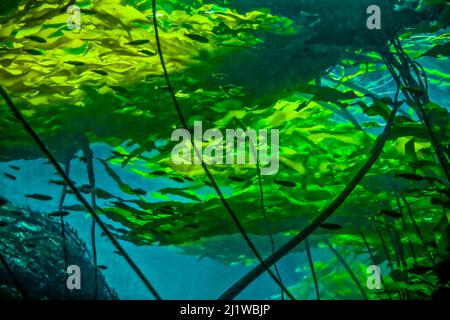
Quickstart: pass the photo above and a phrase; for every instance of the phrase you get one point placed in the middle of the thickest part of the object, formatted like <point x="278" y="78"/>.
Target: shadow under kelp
<point x="33" y="264"/>
<point x="316" y="38"/>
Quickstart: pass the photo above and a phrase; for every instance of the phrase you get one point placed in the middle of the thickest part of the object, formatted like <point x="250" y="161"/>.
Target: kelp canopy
<point x="317" y="74"/>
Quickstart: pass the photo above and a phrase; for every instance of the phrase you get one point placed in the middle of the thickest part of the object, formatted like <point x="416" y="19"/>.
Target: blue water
<point x="175" y="274"/>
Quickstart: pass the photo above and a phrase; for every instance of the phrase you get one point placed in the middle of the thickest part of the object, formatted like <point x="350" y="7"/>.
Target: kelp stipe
<point x="324" y="215"/>
<point x="83" y="141"/>
<point x="61" y="218"/>
<point x="205" y="168"/>
<point x="311" y="266"/>
<point x="75" y="190"/>
<point x="348" y="269"/>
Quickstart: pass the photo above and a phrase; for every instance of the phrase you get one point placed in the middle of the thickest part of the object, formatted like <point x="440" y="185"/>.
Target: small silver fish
<point x="220" y="76"/>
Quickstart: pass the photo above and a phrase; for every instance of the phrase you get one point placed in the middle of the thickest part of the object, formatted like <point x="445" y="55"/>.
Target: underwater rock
<point x="32" y="249"/>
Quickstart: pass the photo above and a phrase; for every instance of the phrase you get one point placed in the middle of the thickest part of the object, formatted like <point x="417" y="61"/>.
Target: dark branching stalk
<point x="386" y="251"/>
<point x="372" y="257"/>
<point x="401" y="255"/>
<point x="266" y="221"/>
<point x="241" y="284"/>
<point x="394" y="246"/>
<point x="404" y="79"/>
<point x="348" y="269"/>
<point x="262" y="207"/>
<point x="383" y="244"/>
<point x="311" y="266"/>
<point x="416" y="227"/>
<point x="401" y="251"/>
<point x="13" y="277"/>
<point x="398" y="252"/>
<point x="205" y="168"/>
<point x="89" y="155"/>
<point x="61" y="218"/>
<point x="405" y="228"/>
<point x="77" y="192"/>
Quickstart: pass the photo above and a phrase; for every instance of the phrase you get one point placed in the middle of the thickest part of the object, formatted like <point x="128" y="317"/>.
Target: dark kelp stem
<point x="266" y="221"/>
<point x="262" y="207"/>
<point x="75" y="190"/>
<point x="61" y="218"/>
<point x="372" y="257"/>
<point x="205" y="169"/>
<point x="416" y="227"/>
<point x="399" y="253"/>
<point x="405" y="229"/>
<point x="242" y="283"/>
<point x="417" y="99"/>
<point x="311" y="266"/>
<point x="13" y="277"/>
<point x="383" y="244"/>
<point x="349" y="270"/>
<point x="386" y="250"/>
<point x="89" y="155"/>
<point x="398" y="242"/>
<point x="395" y="245"/>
